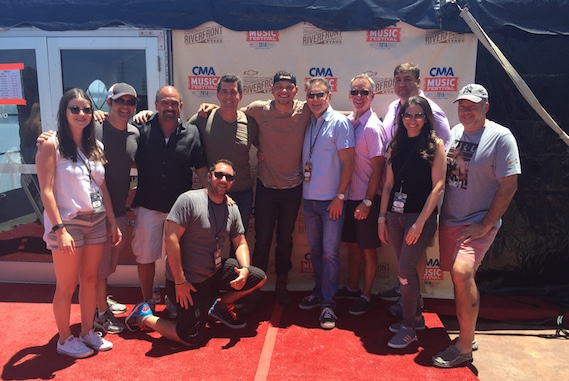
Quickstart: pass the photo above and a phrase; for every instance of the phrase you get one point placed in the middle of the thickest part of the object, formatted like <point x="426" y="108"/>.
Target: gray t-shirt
<point x="475" y="164"/>
<point x="202" y="220"/>
<point x="120" y="151"/>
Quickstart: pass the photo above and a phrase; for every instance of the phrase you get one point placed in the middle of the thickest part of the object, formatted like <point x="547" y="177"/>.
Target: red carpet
<point x="277" y="344"/>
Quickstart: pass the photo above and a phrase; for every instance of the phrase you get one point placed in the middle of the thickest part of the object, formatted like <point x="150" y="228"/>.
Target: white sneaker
<point x="96" y="341"/>
<point x="73" y="347"/>
<point x="115" y="307"/>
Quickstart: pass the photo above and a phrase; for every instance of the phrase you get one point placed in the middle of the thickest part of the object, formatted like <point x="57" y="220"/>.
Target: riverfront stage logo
<point x="443" y="37"/>
<point x="253" y="84"/>
<point x="382" y="85"/>
<point x="442" y="83"/>
<point x="316" y="36"/>
<point x="262" y="39"/>
<point x="384" y="39"/>
<point x="209" y="35"/>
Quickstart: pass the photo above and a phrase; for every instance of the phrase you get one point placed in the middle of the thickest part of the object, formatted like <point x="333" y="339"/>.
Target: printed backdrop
<point x="447" y="61"/>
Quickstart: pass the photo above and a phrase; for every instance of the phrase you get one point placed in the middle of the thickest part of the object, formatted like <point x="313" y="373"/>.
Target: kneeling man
<point x="196" y="229"/>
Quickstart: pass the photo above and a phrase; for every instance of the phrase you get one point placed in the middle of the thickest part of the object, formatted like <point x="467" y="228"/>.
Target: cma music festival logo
<point x="306" y="265"/>
<point x="203" y="80"/>
<point x="442" y="83"/>
<point x="325" y="72"/>
<point x="252" y="84"/>
<point x="209" y="35"/>
<point x="433" y="270"/>
<point x="384" y="39"/>
<point x="443" y="37"/>
<point x="262" y="39"/>
<point x="316" y="36"/>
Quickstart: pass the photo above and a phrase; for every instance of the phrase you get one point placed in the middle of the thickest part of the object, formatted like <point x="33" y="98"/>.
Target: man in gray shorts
<point x="196" y="229"/>
<point x="168" y="148"/>
<point x="483" y="165"/>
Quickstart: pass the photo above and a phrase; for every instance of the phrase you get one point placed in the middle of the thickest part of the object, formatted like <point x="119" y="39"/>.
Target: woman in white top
<point x="77" y="205"/>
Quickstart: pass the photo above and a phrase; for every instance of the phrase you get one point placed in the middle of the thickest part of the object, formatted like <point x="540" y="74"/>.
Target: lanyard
<point x="313" y="143"/>
<point x="79" y="156"/>
<point x="215" y="228"/>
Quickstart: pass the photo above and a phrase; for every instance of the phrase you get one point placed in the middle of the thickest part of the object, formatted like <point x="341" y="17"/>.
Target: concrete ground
<point x="516" y="352"/>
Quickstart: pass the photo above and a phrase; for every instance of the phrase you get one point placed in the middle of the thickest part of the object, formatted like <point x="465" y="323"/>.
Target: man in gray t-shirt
<point x="483" y="165"/>
<point x="196" y="229"/>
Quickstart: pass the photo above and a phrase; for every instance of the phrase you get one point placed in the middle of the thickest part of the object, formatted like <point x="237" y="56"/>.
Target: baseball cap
<point x="119" y="89"/>
<point x="284" y="75"/>
<point x="472" y="92"/>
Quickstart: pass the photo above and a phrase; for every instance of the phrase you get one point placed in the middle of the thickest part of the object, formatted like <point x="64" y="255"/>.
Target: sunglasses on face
<point x="363" y="93"/>
<point x="75" y="110"/>
<point x="228" y="177"/>
<point x="316" y="95"/>
<point x="418" y="116"/>
<point x="128" y="102"/>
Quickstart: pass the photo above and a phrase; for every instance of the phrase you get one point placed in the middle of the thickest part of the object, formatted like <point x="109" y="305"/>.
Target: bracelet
<point x="381" y="219"/>
<point x="180" y="283"/>
<point x="57" y="227"/>
<point x="246" y="267"/>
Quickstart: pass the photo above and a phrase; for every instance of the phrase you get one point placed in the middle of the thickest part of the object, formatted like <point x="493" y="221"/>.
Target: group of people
<point x="360" y="181"/>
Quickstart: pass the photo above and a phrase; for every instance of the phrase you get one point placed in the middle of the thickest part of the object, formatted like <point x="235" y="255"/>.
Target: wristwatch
<point x="366" y="202"/>
<point x="341" y="196"/>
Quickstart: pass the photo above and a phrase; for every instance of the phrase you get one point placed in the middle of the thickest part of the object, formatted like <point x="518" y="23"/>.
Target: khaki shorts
<point x="86" y="229"/>
<point x="110" y="259"/>
<point x="148" y="233"/>
<point x="453" y="249"/>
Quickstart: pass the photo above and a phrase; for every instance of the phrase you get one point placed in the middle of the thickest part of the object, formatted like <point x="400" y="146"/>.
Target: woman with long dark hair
<point x="77" y="205"/>
<point x="415" y="174"/>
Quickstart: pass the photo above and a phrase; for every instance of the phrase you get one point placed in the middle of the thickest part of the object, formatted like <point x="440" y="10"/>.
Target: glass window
<point x="81" y="68"/>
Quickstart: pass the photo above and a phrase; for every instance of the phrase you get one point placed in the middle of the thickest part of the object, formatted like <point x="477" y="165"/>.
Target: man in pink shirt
<point x="362" y="209"/>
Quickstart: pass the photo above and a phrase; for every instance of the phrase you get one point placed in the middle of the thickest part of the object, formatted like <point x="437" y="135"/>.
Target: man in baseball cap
<point x="473" y="92"/>
<point x="121" y="89"/>
<point x="481" y="180"/>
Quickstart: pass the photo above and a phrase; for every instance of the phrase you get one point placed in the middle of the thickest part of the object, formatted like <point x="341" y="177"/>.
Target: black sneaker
<point x="309" y="302"/>
<point x="225" y="314"/>
<point x="328" y="318"/>
<point x="390" y="295"/>
<point x="360" y="307"/>
<point x="344" y="293"/>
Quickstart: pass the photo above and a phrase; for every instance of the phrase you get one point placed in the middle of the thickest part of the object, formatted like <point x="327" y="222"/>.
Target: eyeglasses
<point x="417" y="116"/>
<point x="166" y="103"/>
<point x="219" y="176"/>
<point x="75" y="110"/>
<point x="316" y="95"/>
<point x="129" y="102"/>
<point x="363" y="93"/>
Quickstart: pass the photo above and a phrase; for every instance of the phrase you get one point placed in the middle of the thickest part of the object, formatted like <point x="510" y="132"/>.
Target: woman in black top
<point x="416" y="168"/>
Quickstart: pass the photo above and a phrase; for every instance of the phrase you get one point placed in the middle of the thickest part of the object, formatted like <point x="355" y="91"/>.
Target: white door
<point x="47" y="64"/>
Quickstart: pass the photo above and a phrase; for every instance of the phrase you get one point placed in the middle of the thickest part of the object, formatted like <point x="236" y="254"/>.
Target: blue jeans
<point x="275" y="207"/>
<point x="398" y="225"/>
<point x="244" y="200"/>
<point x="324" y="236"/>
